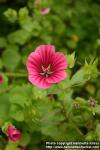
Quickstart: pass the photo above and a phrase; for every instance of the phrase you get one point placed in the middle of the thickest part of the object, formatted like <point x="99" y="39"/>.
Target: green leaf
<point x="4" y="106"/>
<point x="87" y="72"/>
<point x="81" y="101"/>
<point x="27" y="24"/>
<point x="11" y="146"/>
<point x="11" y="59"/>
<point x="71" y="44"/>
<point x="96" y="109"/>
<point x="91" y="89"/>
<point x="78" y="78"/>
<point x="90" y="69"/>
<point x="11" y="15"/>
<point x="98" y="131"/>
<point x="71" y="60"/>
<point x="50" y="130"/>
<point x="16" y="113"/>
<point x="20" y="37"/>
<point x="23" y="13"/>
<point x="26" y="21"/>
<point x="13" y="47"/>
<point x="3" y="42"/>
<point x="65" y="98"/>
<point x="20" y="95"/>
<point x="39" y="93"/>
<point x="25" y="139"/>
<point x="90" y="136"/>
<point x="5" y="126"/>
<point x="1" y="64"/>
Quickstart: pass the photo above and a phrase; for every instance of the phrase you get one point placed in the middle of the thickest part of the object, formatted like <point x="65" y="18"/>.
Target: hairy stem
<point x="6" y="90"/>
<point x="69" y="119"/>
<point x="16" y="74"/>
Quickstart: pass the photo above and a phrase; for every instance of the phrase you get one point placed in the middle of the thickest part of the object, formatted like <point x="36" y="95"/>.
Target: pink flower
<point x="1" y="79"/>
<point x="45" y="66"/>
<point x="21" y="148"/>
<point x="13" y="134"/>
<point x="45" y="11"/>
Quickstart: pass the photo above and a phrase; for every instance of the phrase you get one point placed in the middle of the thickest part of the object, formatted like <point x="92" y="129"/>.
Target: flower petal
<point x="39" y="81"/>
<point x="57" y="77"/>
<point x="47" y="53"/>
<point x="34" y="63"/>
<point x="60" y="62"/>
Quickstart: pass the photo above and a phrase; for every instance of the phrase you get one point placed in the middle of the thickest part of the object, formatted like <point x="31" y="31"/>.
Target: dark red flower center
<point x="46" y="71"/>
<point x="16" y="135"/>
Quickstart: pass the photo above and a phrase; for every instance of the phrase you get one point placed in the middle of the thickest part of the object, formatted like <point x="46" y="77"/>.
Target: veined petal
<point x="39" y="81"/>
<point x="47" y="53"/>
<point x="60" y="62"/>
<point x="34" y="63"/>
<point x="57" y="77"/>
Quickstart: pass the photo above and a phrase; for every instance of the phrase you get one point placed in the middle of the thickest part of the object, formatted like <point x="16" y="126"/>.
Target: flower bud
<point x="45" y="11"/>
<point x="1" y="79"/>
<point x="92" y="102"/>
<point x="13" y="134"/>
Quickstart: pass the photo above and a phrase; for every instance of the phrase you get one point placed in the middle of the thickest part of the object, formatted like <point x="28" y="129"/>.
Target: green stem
<point x="6" y="90"/>
<point x="75" y="85"/>
<point x="16" y="74"/>
<point x="69" y="119"/>
<point x="64" y="111"/>
<point x="75" y="126"/>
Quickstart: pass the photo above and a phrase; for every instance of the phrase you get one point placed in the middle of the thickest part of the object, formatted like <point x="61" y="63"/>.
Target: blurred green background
<point x="70" y="25"/>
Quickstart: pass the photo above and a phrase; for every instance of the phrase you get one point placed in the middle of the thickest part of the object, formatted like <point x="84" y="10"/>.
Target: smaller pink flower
<point x="1" y="79"/>
<point x="22" y="148"/>
<point x="13" y="134"/>
<point x="45" y="11"/>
